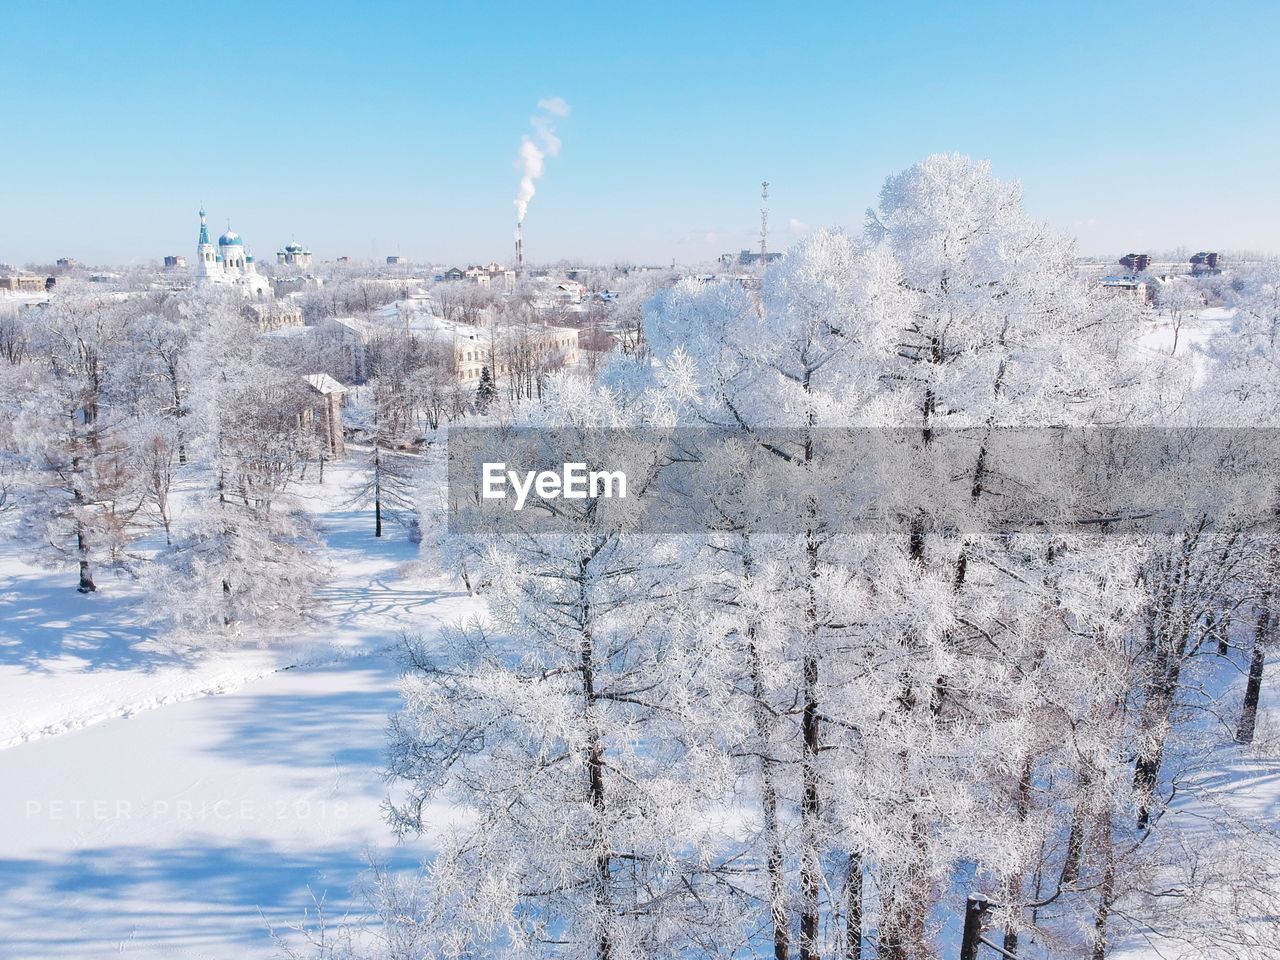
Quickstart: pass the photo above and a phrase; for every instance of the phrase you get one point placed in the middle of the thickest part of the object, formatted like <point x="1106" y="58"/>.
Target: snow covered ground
<point x="1198" y="327"/>
<point x="159" y="800"/>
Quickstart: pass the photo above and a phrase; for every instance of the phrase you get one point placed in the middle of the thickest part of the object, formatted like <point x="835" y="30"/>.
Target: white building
<point x="229" y="265"/>
<point x="1128" y="285"/>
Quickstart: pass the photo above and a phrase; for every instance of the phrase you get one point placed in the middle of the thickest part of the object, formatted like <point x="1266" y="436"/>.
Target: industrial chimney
<point x="519" y="249"/>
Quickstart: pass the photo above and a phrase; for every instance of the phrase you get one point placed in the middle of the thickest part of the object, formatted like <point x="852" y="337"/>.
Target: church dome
<point x="293" y="247"/>
<point x="230" y="239"/>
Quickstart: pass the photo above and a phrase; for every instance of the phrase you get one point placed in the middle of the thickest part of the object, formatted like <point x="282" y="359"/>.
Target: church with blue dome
<point x="229" y="263"/>
<point x="294" y="254"/>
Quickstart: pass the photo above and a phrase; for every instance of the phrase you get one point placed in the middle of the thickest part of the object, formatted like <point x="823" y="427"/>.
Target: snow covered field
<point x="155" y="803"/>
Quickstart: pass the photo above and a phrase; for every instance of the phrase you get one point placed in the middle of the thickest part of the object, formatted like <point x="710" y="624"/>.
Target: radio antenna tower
<point x="764" y="222"/>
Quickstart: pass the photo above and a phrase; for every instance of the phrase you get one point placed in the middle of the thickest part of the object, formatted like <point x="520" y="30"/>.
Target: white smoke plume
<point x="535" y="149"/>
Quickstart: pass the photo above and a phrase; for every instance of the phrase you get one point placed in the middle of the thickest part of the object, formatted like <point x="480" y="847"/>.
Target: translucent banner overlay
<point x="788" y="480"/>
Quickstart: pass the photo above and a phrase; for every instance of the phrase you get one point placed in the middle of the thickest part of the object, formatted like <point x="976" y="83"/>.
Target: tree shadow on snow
<point x="339" y="728"/>
<point x="43" y="619"/>
<point x="158" y="901"/>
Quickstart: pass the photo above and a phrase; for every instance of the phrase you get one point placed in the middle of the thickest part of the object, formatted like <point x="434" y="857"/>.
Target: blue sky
<point x="375" y="128"/>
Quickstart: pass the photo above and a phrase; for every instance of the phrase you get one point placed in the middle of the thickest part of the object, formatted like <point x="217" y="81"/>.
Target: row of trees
<point x="813" y="742"/>
<point x="164" y="413"/>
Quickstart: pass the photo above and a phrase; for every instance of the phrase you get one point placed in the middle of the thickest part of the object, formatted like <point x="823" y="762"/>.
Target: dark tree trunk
<point x="853" y="908"/>
<point x="1075" y="837"/>
<point x="768" y="799"/>
<point x="1106" y="893"/>
<point x="1146" y="769"/>
<point x="809" y="809"/>
<point x="178" y="414"/>
<point x="810" y="881"/>
<point x="595" y="770"/>
<point x="975" y="910"/>
<point x="1014" y="894"/>
<point x="1223" y="628"/>
<point x="777" y="883"/>
<point x="82" y="548"/>
<point x="810" y="806"/>
<point x="1253" y="687"/>
<point x="377" y="492"/>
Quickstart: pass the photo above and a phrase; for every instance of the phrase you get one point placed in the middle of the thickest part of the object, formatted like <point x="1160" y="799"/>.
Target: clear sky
<point x="373" y="128"/>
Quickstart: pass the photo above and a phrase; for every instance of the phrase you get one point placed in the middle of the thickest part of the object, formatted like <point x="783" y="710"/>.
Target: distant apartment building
<point x="396" y="260"/>
<point x="67" y="263"/>
<point x="747" y="258"/>
<point x="283" y="286"/>
<point x="272" y="316"/>
<point x="1206" y="263"/>
<point x="23" y="283"/>
<point x="175" y="260"/>
<point x="352" y="336"/>
<point x="1136" y="262"/>
<point x="483" y="275"/>
<point x="508" y="351"/>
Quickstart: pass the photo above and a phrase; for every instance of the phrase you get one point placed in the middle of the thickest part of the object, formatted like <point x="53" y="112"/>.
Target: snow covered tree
<point x="81" y="497"/>
<point x="486" y="392"/>
<point x="237" y="563"/>
<point x="389" y="480"/>
<point x="243" y="551"/>
<point x="571" y="721"/>
<point x="1179" y="298"/>
<point x="1002" y="334"/>
<point x="1246" y="362"/>
<point x="780" y="370"/>
<point x="163" y="334"/>
<point x="157" y="451"/>
<point x="921" y="644"/>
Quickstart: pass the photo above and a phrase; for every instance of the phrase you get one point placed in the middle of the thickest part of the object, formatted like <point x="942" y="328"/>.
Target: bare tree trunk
<point x="1106" y="893"/>
<point x="810" y="868"/>
<point x="1160" y="694"/>
<point x="853" y="909"/>
<point x="82" y="548"/>
<point x="1253" y="687"/>
<point x="595" y="770"/>
<point x="1222" y="626"/>
<point x="896" y="919"/>
<point x="810" y="807"/>
<point x="1146" y="770"/>
<point x="1013" y="893"/>
<point x="1075" y="836"/>
<point x="377" y="493"/>
<point x="768" y="798"/>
